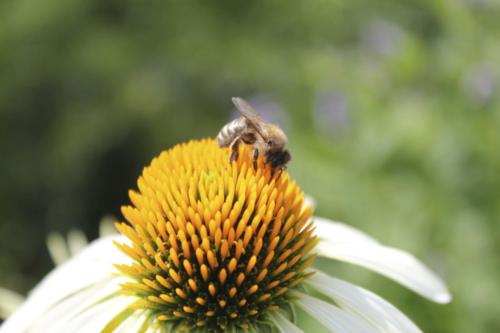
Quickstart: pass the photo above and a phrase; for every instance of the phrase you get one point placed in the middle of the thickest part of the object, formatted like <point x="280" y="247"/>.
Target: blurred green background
<point x="392" y="110"/>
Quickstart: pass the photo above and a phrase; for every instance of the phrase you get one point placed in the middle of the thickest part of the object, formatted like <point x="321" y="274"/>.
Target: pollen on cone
<point x="214" y="244"/>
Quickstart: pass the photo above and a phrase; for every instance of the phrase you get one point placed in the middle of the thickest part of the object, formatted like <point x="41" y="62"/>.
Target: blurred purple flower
<point x="480" y="83"/>
<point x="382" y="37"/>
<point x="331" y="112"/>
<point x="480" y="4"/>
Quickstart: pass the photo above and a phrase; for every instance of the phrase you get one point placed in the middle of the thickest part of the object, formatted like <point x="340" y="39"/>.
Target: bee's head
<point x="276" y="139"/>
<point x="278" y="159"/>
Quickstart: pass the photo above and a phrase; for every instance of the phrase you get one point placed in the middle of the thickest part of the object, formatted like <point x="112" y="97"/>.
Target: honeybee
<point x="267" y="139"/>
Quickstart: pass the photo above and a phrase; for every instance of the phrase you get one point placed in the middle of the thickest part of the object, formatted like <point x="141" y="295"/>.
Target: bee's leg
<point x="234" y="149"/>
<point x="277" y="171"/>
<point x="280" y="171"/>
<point x="255" y="158"/>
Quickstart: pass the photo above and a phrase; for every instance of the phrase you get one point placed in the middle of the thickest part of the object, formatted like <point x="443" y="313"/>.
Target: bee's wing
<point x="250" y="114"/>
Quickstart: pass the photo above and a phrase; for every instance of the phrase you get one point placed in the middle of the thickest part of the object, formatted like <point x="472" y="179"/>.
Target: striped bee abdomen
<point x="230" y="131"/>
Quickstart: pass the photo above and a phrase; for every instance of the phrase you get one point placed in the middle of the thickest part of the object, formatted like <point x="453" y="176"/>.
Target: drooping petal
<point x="309" y="202"/>
<point x="10" y="301"/>
<point x="363" y="303"/>
<point x="71" y="287"/>
<point x="336" y="232"/>
<point x="396" y="264"/>
<point x="58" y="248"/>
<point x="110" y="315"/>
<point x="335" y="319"/>
<point x="126" y="321"/>
<point x="107" y="227"/>
<point x="283" y="324"/>
<point x="77" y="241"/>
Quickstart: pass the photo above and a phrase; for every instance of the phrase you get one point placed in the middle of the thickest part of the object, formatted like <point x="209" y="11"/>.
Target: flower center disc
<point x="214" y="244"/>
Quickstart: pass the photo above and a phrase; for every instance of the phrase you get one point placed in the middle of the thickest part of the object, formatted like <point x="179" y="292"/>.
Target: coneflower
<point x="214" y="246"/>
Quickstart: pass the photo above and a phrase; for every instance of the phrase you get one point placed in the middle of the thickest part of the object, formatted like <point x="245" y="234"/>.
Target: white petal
<point x="283" y="324"/>
<point x="10" y="301"/>
<point x="58" y="248"/>
<point x="79" y="281"/>
<point x="135" y="324"/>
<point x="309" y="202"/>
<point x="76" y="241"/>
<point x="336" y="232"/>
<point x="107" y="226"/>
<point x="398" y="265"/>
<point x="71" y="316"/>
<point x="364" y="303"/>
<point x="332" y="317"/>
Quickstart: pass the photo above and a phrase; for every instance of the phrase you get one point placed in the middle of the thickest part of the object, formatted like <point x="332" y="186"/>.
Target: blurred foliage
<point x="392" y="109"/>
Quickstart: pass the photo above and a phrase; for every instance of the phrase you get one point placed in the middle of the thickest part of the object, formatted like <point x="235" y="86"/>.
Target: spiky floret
<point x="214" y="244"/>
